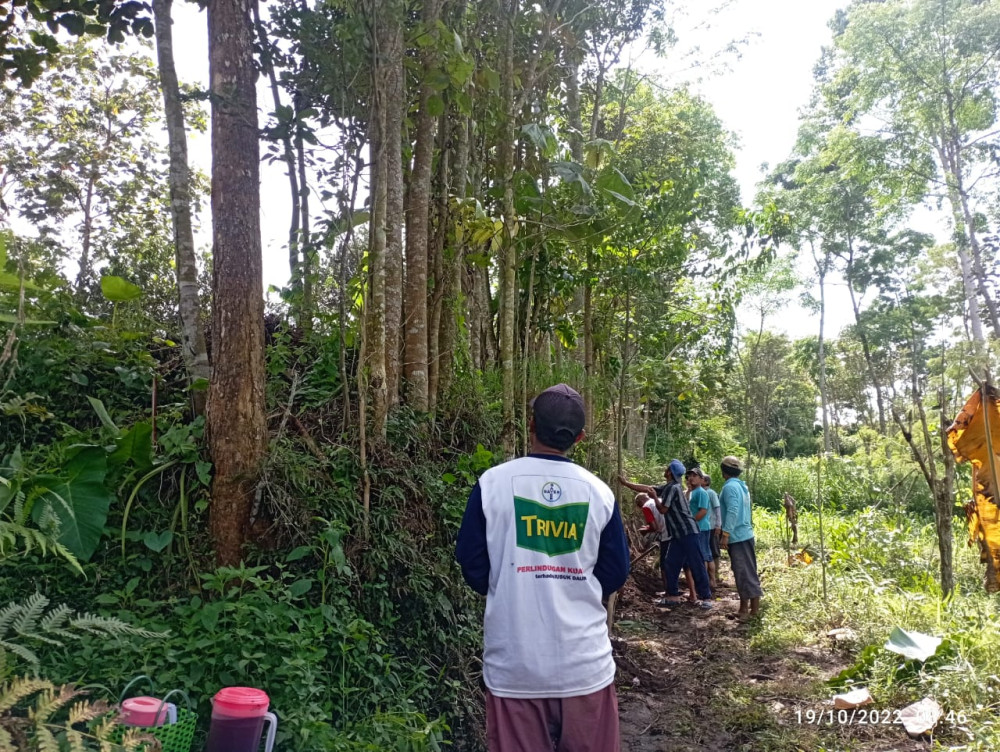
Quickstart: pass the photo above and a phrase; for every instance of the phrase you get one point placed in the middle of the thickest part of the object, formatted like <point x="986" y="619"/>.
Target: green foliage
<point x="31" y="623"/>
<point x="873" y="591"/>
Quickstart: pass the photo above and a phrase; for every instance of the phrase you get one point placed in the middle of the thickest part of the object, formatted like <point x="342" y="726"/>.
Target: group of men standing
<point x="694" y="524"/>
<point x="543" y="539"/>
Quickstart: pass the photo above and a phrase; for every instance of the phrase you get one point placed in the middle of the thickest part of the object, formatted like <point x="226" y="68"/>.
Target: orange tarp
<point x="968" y="440"/>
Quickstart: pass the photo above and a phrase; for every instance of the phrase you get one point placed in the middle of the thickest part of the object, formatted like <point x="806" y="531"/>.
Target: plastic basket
<point x="173" y="737"/>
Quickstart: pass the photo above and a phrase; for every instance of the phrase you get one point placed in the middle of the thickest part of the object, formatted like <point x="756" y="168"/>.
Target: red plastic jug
<point x="238" y="716"/>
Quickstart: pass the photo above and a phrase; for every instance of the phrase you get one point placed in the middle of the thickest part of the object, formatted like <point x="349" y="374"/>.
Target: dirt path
<point x="689" y="680"/>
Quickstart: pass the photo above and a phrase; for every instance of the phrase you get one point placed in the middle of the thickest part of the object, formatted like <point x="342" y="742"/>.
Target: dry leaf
<point x="853" y="699"/>
<point x="842" y="634"/>
<point x="921" y="717"/>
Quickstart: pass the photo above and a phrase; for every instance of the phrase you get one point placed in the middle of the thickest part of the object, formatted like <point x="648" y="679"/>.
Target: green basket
<point x="173" y="737"/>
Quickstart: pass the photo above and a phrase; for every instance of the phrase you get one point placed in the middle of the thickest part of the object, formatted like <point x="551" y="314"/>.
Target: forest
<point x="211" y="480"/>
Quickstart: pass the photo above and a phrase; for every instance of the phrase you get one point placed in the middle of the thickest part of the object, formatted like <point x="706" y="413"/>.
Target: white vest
<point x="545" y="628"/>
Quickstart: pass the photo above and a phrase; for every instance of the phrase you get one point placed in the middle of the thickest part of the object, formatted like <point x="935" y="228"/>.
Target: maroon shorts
<point x="588" y="723"/>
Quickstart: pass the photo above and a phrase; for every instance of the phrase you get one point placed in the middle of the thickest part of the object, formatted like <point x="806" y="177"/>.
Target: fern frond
<point x="51" y="702"/>
<point x="31" y="611"/>
<point x="75" y="740"/>
<point x="45" y="740"/>
<point x="111" y="627"/>
<point x="85" y="711"/>
<point x="7" y="614"/>
<point x="19" y="650"/>
<point x="20" y="689"/>
<point x="29" y="620"/>
<point x="135" y="739"/>
<point x="55" y="619"/>
<point x="45" y="539"/>
<point x="49" y="521"/>
<point x="103" y="730"/>
<point x="6" y="741"/>
<point x="20" y="514"/>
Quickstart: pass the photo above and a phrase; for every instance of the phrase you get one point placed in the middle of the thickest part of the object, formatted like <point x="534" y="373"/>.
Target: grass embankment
<point x="881" y="573"/>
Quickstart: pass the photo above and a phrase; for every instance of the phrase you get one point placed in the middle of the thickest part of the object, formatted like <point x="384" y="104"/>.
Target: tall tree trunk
<point x="961" y="248"/>
<point x="944" y="500"/>
<point x="969" y="222"/>
<point x="508" y="263"/>
<point x="288" y="154"/>
<point x="237" y="428"/>
<point x="347" y="205"/>
<point x="193" y="344"/>
<point x="415" y="362"/>
<point x="375" y="350"/>
<point x="85" y="273"/>
<point x="574" y="117"/>
<point x="822" y="267"/>
<point x="440" y="284"/>
<point x="395" y="105"/>
<point x="454" y="265"/>
<point x="589" y="354"/>
<point x="308" y="250"/>
<point x="867" y="352"/>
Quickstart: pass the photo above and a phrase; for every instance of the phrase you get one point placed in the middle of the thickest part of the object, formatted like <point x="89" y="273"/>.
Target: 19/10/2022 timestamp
<point x="867" y="717"/>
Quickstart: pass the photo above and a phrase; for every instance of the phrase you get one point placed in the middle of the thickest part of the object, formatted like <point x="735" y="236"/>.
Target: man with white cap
<point x="737" y="536"/>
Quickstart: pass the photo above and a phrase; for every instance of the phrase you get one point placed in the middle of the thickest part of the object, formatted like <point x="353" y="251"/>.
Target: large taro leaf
<point x="119" y="290"/>
<point x="914" y="646"/>
<point x="136" y="445"/>
<point x="78" y="499"/>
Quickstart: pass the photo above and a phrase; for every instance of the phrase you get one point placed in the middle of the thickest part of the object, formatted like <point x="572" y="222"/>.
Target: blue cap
<point x="676" y="468"/>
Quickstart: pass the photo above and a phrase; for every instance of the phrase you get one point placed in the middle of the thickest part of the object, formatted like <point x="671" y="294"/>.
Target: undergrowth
<point x="882" y="573"/>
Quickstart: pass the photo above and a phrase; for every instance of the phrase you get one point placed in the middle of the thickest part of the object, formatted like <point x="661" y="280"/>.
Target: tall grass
<point x="883" y="573"/>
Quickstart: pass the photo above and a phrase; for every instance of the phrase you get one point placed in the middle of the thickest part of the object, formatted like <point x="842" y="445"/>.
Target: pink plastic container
<point x="147" y="712"/>
<point x="238" y="716"/>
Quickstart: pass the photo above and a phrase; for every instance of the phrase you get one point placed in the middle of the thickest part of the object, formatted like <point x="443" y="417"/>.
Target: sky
<point x="757" y="94"/>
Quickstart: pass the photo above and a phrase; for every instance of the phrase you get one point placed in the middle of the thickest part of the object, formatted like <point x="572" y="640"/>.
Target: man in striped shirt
<point x="684" y="549"/>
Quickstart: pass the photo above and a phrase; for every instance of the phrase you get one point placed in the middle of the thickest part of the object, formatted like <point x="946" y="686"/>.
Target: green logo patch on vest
<point x="550" y="530"/>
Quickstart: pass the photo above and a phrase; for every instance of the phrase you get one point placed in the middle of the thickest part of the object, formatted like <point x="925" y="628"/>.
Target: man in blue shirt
<point x="737" y="536"/>
<point x="701" y="505"/>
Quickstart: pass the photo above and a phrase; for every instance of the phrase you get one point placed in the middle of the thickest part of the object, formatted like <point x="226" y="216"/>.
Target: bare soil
<point x="688" y="680"/>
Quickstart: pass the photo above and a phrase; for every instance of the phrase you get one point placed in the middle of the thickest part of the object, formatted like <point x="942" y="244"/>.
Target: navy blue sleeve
<point x="612" y="566"/>
<point x="471" y="550"/>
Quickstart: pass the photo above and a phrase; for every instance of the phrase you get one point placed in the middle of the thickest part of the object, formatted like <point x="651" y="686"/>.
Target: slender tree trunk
<point x="415" y="363"/>
<point x="193" y="345"/>
<point x="944" y="501"/>
<point x="453" y="351"/>
<point x="973" y="242"/>
<point x="308" y="250"/>
<point x="375" y="350"/>
<point x="589" y="354"/>
<point x="85" y="273"/>
<point x="525" y="360"/>
<point x="508" y="278"/>
<point x="288" y="154"/>
<point x="395" y="101"/>
<point x="961" y="248"/>
<point x="237" y="428"/>
<point x="867" y="352"/>
<point x="822" y="267"/>
<point x="440" y="284"/>
<point x="573" y="112"/>
<point x="346" y="208"/>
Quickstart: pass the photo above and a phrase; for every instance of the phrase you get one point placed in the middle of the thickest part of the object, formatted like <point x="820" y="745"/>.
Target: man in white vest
<point x="543" y="540"/>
